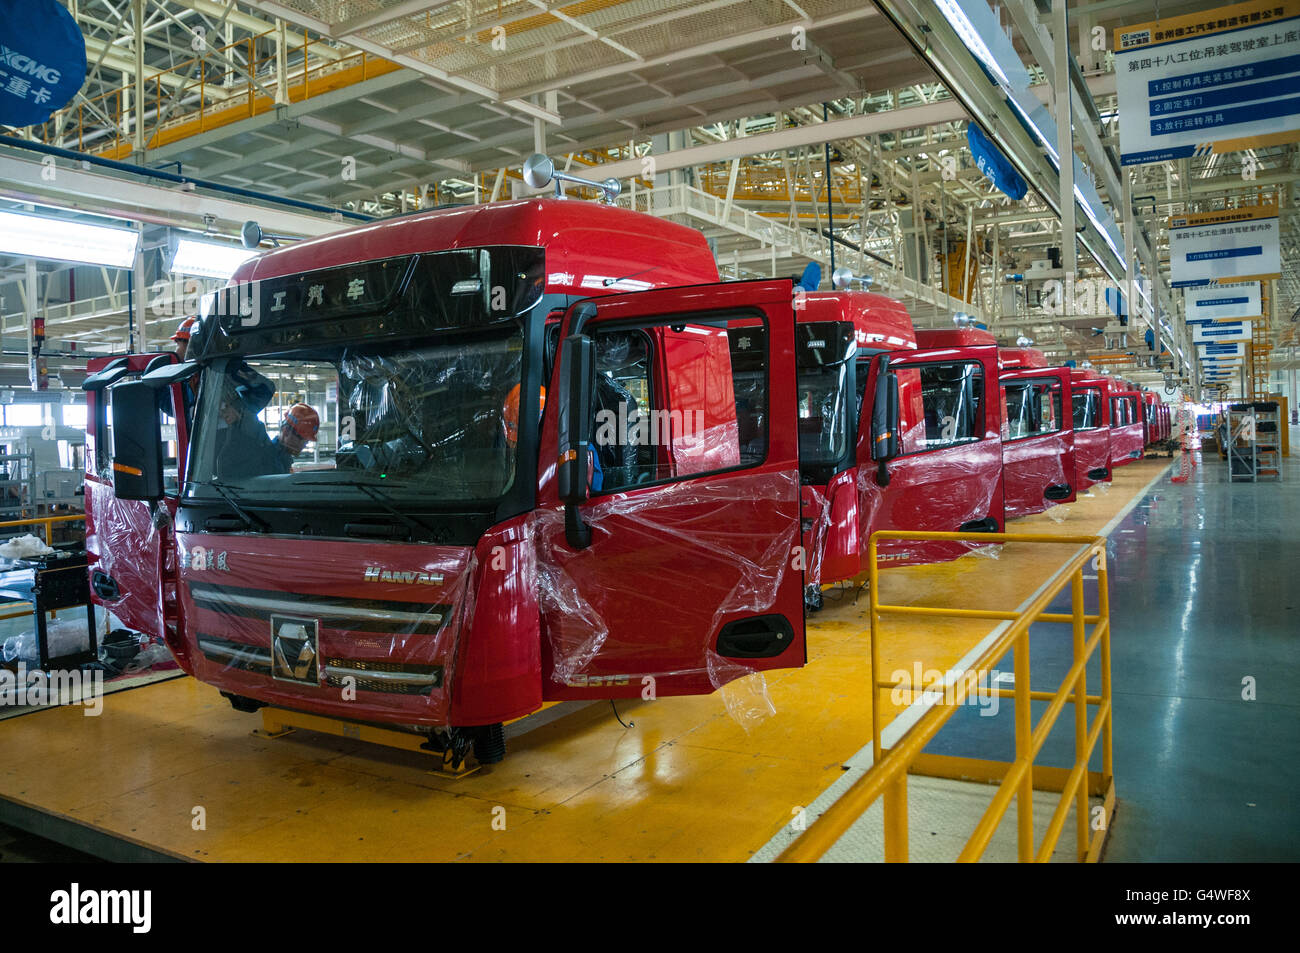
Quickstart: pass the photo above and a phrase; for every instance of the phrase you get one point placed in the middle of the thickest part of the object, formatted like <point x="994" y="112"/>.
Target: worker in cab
<point x="300" y="425"/>
<point x="243" y="448"/>
<point x="189" y="387"/>
<point x="182" y="338"/>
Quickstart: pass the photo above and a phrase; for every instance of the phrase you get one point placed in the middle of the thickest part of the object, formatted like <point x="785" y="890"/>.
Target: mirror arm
<point x="576" y="532"/>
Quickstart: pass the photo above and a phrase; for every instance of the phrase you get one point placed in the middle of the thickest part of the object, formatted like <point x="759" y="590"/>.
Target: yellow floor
<point x="687" y="782"/>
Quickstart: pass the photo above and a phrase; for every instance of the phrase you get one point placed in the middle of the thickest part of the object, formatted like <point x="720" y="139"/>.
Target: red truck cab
<point x="921" y="426"/>
<point x="1038" y="433"/>
<point x="948" y="474"/>
<point x="1128" y="432"/>
<point x="492" y="515"/>
<point x="1153" y="418"/>
<point x="1091" y="404"/>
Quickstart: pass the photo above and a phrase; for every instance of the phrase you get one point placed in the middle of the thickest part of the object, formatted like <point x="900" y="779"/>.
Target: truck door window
<point x="1019" y="408"/>
<point x="940" y="405"/>
<point x="624" y="407"/>
<point x="1048" y="395"/>
<point x="651" y="430"/>
<point x="824" y="364"/>
<point x="1087" y="409"/>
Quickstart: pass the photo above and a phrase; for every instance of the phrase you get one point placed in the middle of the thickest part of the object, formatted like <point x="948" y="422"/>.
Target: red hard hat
<point x="183" y="331"/>
<point x="304" y="421"/>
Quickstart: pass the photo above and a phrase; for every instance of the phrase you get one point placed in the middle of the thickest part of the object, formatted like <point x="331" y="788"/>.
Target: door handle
<point x="105" y="586"/>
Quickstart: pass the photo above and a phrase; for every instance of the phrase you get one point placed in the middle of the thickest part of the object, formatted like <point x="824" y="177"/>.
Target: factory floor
<point x="1209" y="767"/>
<point x="1198" y="602"/>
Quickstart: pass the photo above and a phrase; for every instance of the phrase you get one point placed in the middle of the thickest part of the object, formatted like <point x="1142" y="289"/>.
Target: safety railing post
<point x="1080" y="712"/>
<point x="1103" y="614"/>
<point x="873" y="602"/>
<point x="1024" y="751"/>
<point x="896" y="847"/>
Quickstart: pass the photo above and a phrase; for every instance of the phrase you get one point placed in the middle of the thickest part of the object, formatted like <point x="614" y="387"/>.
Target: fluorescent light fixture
<point x="208" y="259"/>
<point x="970" y="35"/>
<point x="40" y="236"/>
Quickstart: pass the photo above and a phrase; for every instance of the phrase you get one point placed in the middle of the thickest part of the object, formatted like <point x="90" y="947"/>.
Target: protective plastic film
<point x="448" y="413"/>
<point x="1031" y="466"/>
<point x="953" y="489"/>
<point x="361" y="631"/>
<point x="716" y="568"/>
<point x="123" y="545"/>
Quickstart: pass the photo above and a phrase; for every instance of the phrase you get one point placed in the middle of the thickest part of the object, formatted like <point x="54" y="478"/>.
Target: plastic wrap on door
<point x="734" y="570"/>
<point x="122" y="543"/>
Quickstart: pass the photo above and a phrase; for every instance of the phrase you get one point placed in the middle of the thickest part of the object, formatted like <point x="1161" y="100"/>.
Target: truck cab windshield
<point x="427" y="422"/>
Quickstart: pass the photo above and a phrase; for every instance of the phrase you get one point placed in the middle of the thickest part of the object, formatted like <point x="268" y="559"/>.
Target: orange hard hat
<point x="512" y="413"/>
<point x="183" y="331"/>
<point x="304" y="420"/>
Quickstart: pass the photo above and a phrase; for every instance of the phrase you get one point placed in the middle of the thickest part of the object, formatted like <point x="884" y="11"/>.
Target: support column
<point x="1065" y="145"/>
<point x="31" y="308"/>
<point x="138" y="332"/>
<point x="281" y="66"/>
<point x="137" y="14"/>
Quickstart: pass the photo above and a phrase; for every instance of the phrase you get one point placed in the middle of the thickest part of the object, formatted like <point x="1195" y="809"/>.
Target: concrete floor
<point x="1207" y="775"/>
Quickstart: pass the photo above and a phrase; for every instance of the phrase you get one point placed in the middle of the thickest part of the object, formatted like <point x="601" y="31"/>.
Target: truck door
<point x="132" y="563"/>
<point x="948" y="475"/>
<point x="692" y="573"/>
<point x="1038" y="452"/>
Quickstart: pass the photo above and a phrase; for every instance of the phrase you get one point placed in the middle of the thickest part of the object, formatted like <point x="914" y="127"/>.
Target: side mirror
<point x="575" y="412"/>
<point x="137" y="443"/>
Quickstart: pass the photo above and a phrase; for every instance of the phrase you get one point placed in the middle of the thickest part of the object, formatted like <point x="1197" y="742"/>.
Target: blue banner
<point x="990" y="160"/>
<point x="42" y="61"/>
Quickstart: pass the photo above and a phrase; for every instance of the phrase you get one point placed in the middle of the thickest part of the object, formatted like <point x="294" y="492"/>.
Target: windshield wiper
<point x="380" y="497"/>
<point x="251" y="519"/>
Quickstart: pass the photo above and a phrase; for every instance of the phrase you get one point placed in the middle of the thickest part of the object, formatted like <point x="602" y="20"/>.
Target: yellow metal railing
<point x="321" y="69"/>
<point x="887" y="777"/>
<point x="16" y="610"/>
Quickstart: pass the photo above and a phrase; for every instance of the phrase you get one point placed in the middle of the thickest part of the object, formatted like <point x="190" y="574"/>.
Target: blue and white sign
<point x="1227" y="246"/>
<point x="42" y="61"/>
<point x="1221" y="331"/>
<point x="1235" y="349"/>
<point x="1223" y="302"/>
<point x="1223" y="80"/>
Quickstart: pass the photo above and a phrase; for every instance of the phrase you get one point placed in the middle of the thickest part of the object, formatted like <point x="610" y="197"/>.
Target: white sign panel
<point x="1224" y="247"/>
<point x="1221" y="351"/>
<point x="1224" y="80"/>
<point x="1221" y="331"/>
<point x="1223" y="302"/>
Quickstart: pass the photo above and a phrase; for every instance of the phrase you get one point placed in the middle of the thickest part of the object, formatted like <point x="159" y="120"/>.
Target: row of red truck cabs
<point x="708" y="456"/>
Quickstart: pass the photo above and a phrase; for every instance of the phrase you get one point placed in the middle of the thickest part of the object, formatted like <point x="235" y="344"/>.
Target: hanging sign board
<point x="1236" y="349"/>
<point x="1223" y="302"/>
<point x="1221" y="331"/>
<point x="1224" y="247"/>
<point x="1223" y="80"/>
<point x="42" y="61"/>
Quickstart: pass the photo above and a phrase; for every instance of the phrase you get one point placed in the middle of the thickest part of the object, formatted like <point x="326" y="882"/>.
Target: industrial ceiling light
<point x="208" y="259"/>
<point x="970" y="35"/>
<point x="40" y="236"/>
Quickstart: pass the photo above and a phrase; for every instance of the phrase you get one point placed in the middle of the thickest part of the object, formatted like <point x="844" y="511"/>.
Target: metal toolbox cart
<point x="59" y="580"/>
